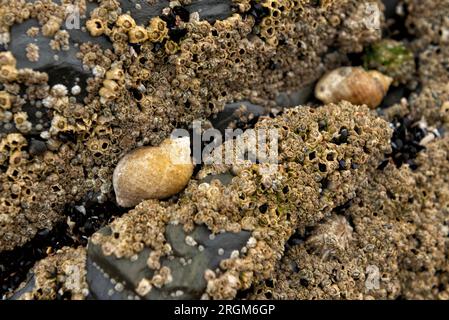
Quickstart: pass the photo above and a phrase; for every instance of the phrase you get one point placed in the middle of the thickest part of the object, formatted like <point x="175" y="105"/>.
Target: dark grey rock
<point x="223" y="119"/>
<point x="390" y="7"/>
<point x="37" y="147"/>
<point x="295" y="98"/>
<point x="187" y="265"/>
<point x="67" y="69"/>
<point x="29" y="287"/>
<point x="210" y="10"/>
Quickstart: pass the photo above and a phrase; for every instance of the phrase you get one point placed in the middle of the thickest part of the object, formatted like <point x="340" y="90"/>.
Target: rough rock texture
<point x="66" y="137"/>
<point x="357" y="206"/>
<point x="390" y="242"/>
<point x="428" y="23"/>
<point x="427" y="20"/>
<point x="60" y="276"/>
<point x="179" y="275"/>
<point x="325" y="154"/>
<point x="332" y="248"/>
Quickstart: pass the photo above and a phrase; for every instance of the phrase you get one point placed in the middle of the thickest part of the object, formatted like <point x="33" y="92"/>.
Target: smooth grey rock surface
<point x="187" y="265"/>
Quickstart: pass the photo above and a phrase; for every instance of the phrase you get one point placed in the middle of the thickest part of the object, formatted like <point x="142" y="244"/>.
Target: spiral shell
<point x="153" y="172"/>
<point x="353" y="84"/>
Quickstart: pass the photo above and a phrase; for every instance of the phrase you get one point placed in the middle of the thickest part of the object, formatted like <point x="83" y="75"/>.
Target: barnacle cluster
<point x="325" y="155"/>
<point x="390" y="238"/>
<point x="134" y="81"/>
<point x="59" y="277"/>
<point x="350" y="188"/>
<point x="400" y="216"/>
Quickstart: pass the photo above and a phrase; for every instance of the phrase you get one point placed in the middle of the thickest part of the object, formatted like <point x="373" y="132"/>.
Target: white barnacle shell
<point x="353" y="84"/>
<point x="153" y="172"/>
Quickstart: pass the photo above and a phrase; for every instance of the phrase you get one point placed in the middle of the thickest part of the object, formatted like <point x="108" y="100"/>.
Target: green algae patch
<point x="392" y="58"/>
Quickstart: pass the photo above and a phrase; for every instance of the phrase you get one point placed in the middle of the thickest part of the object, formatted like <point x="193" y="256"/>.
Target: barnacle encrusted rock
<point x="60" y="276"/>
<point x="319" y="222"/>
<point x="428" y="22"/>
<point x="153" y="172"/>
<point x="177" y="273"/>
<point x="353" y="84"/>
<point x="204" y="61"/>
<point x="397" y="221"/>
<point x="324" y="157"/>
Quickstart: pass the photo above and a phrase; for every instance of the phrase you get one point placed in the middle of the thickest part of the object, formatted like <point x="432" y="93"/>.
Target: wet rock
<point x="37" y="147"/>
<point x="390" y="7"/>
<point x="28" y="287"/>
<point x="60" y="276"/>
<point x="112" y="278"/>
<point x="15" y="264"/>
<point x="210" y="10"/>
<point x="295" y="98"/>
<point x="237" y="114"/>
<point x="62" y="66"/>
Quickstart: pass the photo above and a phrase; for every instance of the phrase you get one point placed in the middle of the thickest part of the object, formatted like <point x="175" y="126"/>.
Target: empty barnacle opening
<point x="96" y="27"/>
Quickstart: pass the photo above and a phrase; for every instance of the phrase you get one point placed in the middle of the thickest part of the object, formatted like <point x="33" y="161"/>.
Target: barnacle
<point x="171" y="47"/>
<point x="5" y="100"/>
<point x="109" y="90"/>
<point x="15" y="141"/>
<point x="52" y="26"/>
<point x="32" y="52"/>
<point x="138" y="34"/>
<point x="157" y="29"/>
<point x="21" y="121"/>
<point x="116" y="73"/>
<point x="96" y="27"/>
<point x="15" y="159"/>
<point x="8" y="73"/>
<point x="126" y="22"/>
<point x="331" y="238"/>
<point x="7" y="59"/>
<point x="118" y="35"/>
<point x="58" y="123"/>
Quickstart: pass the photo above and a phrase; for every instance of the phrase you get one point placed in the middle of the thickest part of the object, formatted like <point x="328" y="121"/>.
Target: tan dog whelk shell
<point x="353" y="84"/>
<point x="153" y="172"/>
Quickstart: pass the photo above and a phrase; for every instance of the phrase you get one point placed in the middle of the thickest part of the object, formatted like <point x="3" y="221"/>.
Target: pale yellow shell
<point x="353" y="84"/>
<point x="153" y="172"/>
